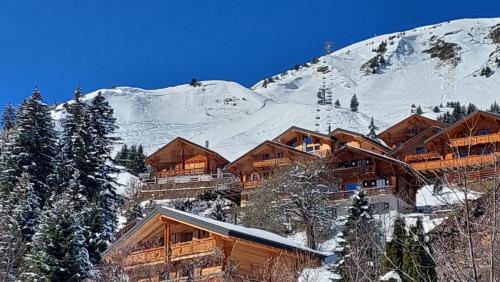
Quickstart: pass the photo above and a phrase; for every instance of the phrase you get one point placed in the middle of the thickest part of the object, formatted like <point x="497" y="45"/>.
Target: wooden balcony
<point x="252" y="184"/>
<point x="192" y="248"/>
<point x="354" y="171"/>
<point x="475" y="140"/>
<point x="178" y="251"/>
<point x="272" y="162"/>
<point x="176" y="172"/>
<point x="422" y="157"/>
<point x="458" y="162"/>
<point x="155" y="255"/>
<point x="322" y="153"/>
<point x="342" y="195"/>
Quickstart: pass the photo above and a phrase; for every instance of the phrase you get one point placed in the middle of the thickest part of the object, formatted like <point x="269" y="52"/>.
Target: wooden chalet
<point x="406" y="129"/>
<point x="306" y="140"/>
<point x="413" y="150"/>
<point x="342" y="137"/>
<point x="182" y="168"/>
<point x="469" y="143"/>
<point x="260" y="163"/>
<point x="172" y="245"/>
<point x="388" y="181"/>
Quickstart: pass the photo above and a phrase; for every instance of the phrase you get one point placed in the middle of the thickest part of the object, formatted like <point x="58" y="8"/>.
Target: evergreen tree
<point x="34" y="145"/>
<point x="395" y="248"/>
<point x="122" y="156"/>
<point x="218" y="212"/>
<point x="436" y="109"/>
<point x="419" y="110"/>
<point x="59" y="252"/>
<point x="358" y="248"/>
<point x="134" y="212"/>
<point x="494" y="108"/>
<point x="471" y="108"/>
<point x="372" y="134"/>
<point x="354" y="103"/>
<point x="9" y="117"/>
<point x="337" y="103"/>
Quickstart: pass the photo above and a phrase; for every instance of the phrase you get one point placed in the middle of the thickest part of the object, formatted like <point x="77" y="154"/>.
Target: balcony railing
<point x="252" y="184"/>
<point x="341" y="195"/>
<point x="146" y="256"/>
<point x="354" y="171"/>
<point x="474" y="140"/>
<point x="175" y="172"/>
<point x="459" y="162"/>
<point x="177" y="251"/>
<point x="191" y="248"/>
<point x="272" y="162"/>
<point x="422" y="157"/>
<point x="322" y="153"/>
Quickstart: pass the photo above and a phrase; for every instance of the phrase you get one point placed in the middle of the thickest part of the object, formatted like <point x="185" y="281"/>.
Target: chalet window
<point x="280" y="155"/>
<point x="202" y="234"/>
<point x="187" y="236"/>
<point x="265" y="156"/>
<point x="309" y="149"/>
<point x="354" y="163"/>
<point x="307" y="140"/>
<point x="351" y="186"/>
<point x="266" y="175"/>
<point x="292" y="143"/>
<point x="420" y="150"/>
<point x="483" y="131"/>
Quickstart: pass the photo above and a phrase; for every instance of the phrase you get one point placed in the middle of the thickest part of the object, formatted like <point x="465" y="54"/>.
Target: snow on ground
<point x="447" y="196"/>
<point x="391" y="275"/>
<point x="234" y="118"/>
<point x="123" y="180"/>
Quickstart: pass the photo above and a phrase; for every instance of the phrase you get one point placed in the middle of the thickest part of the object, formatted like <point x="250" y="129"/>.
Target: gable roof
<point x="301" y="130"/>
<point x="474" y="114"/>
<point x="431" y="130"/>
<point x="272" y="143"/>
<point x="190" y="143"/>
<point x="433" y="122"/>
<point x="373" y="154"/>
<point x="359" y="135"/>
<point x="220" y="228"/>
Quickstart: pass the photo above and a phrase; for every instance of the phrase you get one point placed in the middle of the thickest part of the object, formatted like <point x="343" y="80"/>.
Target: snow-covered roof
<point x="224" y="229"/>
<point x="359" y="135"/>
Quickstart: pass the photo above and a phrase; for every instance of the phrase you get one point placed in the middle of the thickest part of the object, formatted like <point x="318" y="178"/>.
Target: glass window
<point x="420" y="150"/>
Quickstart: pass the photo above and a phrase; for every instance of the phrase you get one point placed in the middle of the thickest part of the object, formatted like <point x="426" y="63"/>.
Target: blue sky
<point x="57" y="45"/>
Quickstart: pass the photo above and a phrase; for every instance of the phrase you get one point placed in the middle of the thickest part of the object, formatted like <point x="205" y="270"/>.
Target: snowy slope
<point x="234" y="118"/>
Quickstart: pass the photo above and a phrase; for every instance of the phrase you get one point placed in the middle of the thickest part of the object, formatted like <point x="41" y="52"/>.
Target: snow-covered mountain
<point x="427" y="66"/>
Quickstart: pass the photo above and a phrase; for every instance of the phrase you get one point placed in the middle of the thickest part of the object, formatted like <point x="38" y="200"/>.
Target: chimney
<point x="206" y="144"/>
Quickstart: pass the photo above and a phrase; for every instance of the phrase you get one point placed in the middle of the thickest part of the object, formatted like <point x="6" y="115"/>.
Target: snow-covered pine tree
<point x="337" y="103"/>
<point x="417" y="260"/>
<point x="106" y="202"/>
<point x="354" y="103"/>
<point x="471" y="108"/>
<point x="372" y="134"/>
<point x="419" y="110"/>
<point x="59" y="252"/>
<point x="134" y="212"/>
<point x="218" y="212"/>
<point x="33" y="147"/>
<point x="9" y="117"/>
<point x="394" y="249"/>
<point x="27" y="207"/>
<point x="360" y="256"/>
<point x="139" y="164"/>
<point x="494" y="108"/>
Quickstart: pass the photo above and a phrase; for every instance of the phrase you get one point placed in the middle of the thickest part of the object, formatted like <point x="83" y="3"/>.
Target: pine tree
<point x="33" y="147"/>
<point x="9" y="117"/>
<point x="218" y="212"/>
<point x="361" y="240"/>
<point x="140" y="165"/>
<point x="494" y="108"/>
<point x="134" y="212"/>
<point x="419" y="110"/>
<point x="122" y="156"/>
<point x="354" y="103"/>
<point x="395" y="248"/>
<point x="471" y="108"/>
<point x="436" y="109"/>
<point x="337" y="103"/>
<point x="372" y="134"/>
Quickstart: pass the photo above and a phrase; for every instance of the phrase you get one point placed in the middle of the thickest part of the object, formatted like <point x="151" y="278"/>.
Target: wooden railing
<point x="459" y="162"/>
<point x="422" y="157"/>
<point x="192" y="247"/>
<point x="272" y="162"/>
<point x="252" y="184"/>
<point x="322" y="153"/>
<point x="175" y="172"/>
<point x="146" y="256"/>
<point x="355" y="170"/>
<point x="474" y="140"/>
<point x="369" y="191"/>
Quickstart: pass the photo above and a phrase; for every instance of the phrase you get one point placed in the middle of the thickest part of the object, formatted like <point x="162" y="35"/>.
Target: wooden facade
<point x="260" y="163"/>
<point x="355" y="168"/>
<point x="182" y="168"/>
<point x="171" y="245"/>
<point x="470" y="143"/>
<point x="406" y="129"/>
<point x="306" y="140"/>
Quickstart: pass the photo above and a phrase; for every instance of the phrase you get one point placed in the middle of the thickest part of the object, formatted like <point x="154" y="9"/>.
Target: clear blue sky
<point x="57" y="45"/>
